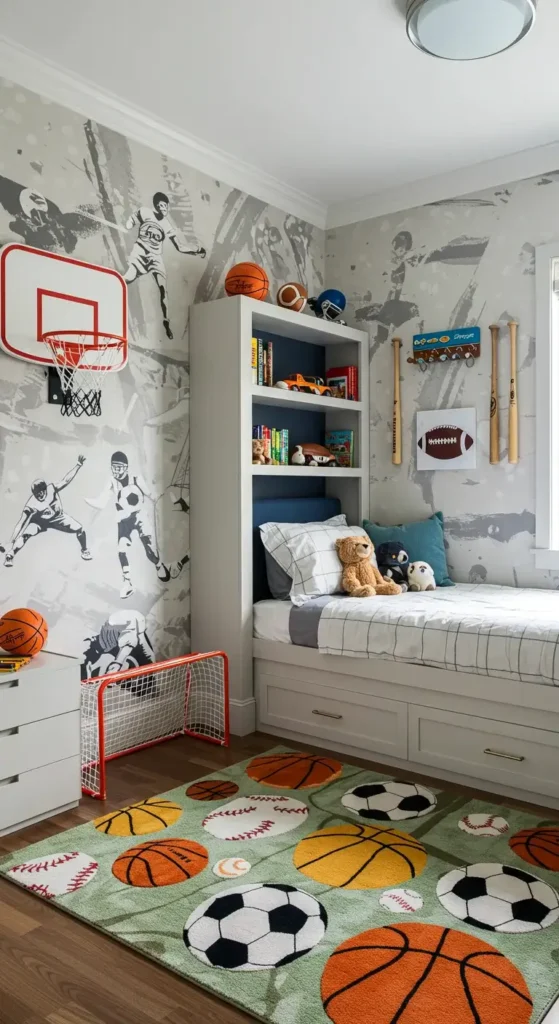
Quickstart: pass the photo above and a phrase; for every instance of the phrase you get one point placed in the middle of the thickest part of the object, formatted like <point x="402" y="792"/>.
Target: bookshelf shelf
<point x="315" y="471"/>
<point x="301" y="400"/>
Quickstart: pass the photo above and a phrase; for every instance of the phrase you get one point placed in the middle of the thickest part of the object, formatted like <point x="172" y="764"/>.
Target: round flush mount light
<point x="468" y="29"/>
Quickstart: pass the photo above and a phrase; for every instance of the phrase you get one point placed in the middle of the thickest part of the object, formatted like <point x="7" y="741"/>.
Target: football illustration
<point x="255" y="927"/>
<point x="445" y="442"/>
<point x="499" y="898"/>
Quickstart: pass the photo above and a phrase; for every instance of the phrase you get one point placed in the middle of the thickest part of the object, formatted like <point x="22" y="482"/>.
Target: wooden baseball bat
<point x="513" y="400"/>
<point x="494" y="411"/>
<point x="397" y="411"/>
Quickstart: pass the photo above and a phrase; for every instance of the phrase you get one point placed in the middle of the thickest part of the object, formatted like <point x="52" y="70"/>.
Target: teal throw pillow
<point x="423" y="541"/>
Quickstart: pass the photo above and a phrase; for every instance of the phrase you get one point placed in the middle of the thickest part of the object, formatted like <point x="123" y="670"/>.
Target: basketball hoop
<point x="82" y="359"/>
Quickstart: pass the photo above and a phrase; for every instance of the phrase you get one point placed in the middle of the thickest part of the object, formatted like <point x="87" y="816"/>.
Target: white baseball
<point x="231" y="867"/>
<point x="56" y="874"/>
<point x="256" y="817"/>
<point x="401" y="901"/>
<point x="483" y="825"/>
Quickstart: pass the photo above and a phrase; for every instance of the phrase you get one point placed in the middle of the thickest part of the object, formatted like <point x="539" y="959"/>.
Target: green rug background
<point x="151" y="921"/>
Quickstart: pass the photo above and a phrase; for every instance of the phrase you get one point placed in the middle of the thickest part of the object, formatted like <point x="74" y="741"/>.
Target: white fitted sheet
<point x="271" y="621"/>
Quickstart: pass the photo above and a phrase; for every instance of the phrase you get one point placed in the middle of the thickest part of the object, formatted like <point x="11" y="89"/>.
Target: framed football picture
<point x="446" y="439"/>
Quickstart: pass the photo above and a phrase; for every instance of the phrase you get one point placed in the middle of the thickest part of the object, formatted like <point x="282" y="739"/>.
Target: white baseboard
<point x="242" y="716"/>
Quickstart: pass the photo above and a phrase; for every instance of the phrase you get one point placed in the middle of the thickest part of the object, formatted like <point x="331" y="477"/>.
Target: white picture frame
<point x="446" y="439"/>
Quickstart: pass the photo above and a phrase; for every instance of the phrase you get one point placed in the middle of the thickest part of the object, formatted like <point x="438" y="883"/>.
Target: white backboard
<point x="43" y="291"/>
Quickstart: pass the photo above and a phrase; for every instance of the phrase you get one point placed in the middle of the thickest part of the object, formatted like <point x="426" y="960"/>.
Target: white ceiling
<point x="326" y="96"/>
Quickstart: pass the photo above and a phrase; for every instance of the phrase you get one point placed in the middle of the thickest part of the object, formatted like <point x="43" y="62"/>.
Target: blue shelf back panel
<point x="302" y="425"/>
<point x="292" y="356"/>
<point x="287" y="487"/>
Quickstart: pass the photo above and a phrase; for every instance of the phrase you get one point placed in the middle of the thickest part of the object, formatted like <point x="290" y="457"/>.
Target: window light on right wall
<point x="547" y="406"/>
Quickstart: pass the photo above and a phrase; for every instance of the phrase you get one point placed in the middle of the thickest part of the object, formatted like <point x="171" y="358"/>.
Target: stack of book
<point x="344" y="382"/>
<point x="340" y="444"/>
<point x="262" y="362"/>
<point x="12" y="662"/>
<point x="276" y="444"/>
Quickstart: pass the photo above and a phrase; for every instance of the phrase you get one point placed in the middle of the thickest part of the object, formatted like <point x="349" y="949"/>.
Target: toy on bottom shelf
<point x="329" y="305"/>
<point x="393" y="563"/>
<point x="259" y="457"/>
<point x="421" y="576"/>
<point x="360" y="577"/>
<point x="292" y="296"/>
<point x="312" y="455"/>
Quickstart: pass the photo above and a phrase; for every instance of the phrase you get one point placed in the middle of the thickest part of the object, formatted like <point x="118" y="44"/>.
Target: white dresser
<point x="39" y="740"/>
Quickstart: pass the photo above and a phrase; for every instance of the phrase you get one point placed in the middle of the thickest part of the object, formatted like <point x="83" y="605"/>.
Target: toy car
<point x="312" y="385"/>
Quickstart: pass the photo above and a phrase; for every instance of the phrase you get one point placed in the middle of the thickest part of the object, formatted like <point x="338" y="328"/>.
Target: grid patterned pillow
<point x="307" y="553"/>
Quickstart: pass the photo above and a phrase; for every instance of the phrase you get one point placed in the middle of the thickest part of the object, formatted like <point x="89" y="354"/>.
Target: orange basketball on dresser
<point x="23" y="631"/>
<point x="247" y="279"/>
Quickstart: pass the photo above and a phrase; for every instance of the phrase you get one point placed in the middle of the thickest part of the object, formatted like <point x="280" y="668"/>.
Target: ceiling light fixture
<point x="468" y="29"/>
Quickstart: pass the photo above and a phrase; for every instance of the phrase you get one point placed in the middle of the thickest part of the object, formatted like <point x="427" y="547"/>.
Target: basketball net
<point x="82" y="359"/>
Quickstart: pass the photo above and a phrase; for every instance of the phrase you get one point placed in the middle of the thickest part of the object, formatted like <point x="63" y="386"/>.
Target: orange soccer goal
<point x="127" y="711"/>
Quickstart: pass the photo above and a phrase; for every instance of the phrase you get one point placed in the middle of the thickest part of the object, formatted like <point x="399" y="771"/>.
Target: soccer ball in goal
<point x="127" y="711"/>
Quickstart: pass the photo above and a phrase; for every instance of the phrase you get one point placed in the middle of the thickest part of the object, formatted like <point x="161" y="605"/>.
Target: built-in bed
<point x="462" y="683"/>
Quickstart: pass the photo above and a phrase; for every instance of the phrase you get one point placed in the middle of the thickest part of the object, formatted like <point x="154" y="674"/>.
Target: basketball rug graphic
<point x="367" y="900"/>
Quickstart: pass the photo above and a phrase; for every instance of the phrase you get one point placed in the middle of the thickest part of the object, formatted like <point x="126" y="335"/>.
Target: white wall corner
<point x="85" y="97"/>
<point x="242" y="715"/>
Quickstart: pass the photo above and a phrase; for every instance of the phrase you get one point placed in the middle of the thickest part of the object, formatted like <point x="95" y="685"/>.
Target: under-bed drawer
<point x="358" y="720"/>
<point x="513" y="755"/>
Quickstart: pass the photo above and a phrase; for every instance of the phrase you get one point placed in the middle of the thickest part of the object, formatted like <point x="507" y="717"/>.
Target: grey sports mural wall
<point x="457" y="263"/>
<point x="94" y="513"/>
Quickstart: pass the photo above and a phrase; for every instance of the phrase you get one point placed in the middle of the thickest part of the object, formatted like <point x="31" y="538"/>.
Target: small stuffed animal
<point x="393" y="563"/>
<point x="421" y="576"/>
<point x="360" y="577"/>
<point x="259" y="457"/>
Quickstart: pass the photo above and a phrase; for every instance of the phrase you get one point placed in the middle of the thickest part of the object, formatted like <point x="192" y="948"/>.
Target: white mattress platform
<point x="462" y="683"/>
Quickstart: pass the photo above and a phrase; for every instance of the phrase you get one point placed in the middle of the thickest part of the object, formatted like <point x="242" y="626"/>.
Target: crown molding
<point x="48" y="79"/>
<point x="477" y="178"/>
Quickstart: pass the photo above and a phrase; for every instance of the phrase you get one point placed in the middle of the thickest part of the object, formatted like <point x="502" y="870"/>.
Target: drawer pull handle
<point x="9" y="781"/>
<point x="9" y="732"/>
<point x="8" y="684"/>
<point x="499" y="753"/>
<point x="327" y="714"/>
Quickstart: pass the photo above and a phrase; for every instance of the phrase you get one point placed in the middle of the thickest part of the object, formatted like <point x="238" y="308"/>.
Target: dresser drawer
<point x="37" y="792"/>
<point x="514" y="755"/>
<point x="29" y="746"/>
<point x="38" y="694"/>
<point x="358" y="720"/>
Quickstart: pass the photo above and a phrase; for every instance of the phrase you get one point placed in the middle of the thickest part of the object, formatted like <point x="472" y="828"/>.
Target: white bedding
<point x="271" y="621"/>
<point x="486" y="630"/>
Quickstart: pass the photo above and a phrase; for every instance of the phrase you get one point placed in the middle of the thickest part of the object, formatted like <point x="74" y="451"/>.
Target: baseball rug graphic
<point x="256" y="817"/>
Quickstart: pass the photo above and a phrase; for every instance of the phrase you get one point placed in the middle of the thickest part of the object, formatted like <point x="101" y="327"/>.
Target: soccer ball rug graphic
<point x="389" y="801"/>
<point x="255" y="927"/>
<point x="499" y="898"/>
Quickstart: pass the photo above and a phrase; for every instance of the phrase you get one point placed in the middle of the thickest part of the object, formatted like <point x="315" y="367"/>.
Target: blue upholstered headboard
<point x="284" y="510"/>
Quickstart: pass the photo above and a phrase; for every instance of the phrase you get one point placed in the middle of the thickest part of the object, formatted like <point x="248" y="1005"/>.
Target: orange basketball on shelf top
<point x="23" y="631"/>
<point x="419" y="974"/>
<point x="247" y="279"/>
<point x="293" y="770"/>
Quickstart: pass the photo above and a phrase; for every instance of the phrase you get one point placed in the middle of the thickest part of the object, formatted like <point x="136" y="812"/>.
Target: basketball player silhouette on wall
<point x="131" y="495"/>
<point x="146" y="257"/>
<point x="43" y="511"/>
<point x="121" y="643"/>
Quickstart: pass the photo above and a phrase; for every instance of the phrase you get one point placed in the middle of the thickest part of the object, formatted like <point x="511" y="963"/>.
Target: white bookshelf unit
<point x="223" y="402"/>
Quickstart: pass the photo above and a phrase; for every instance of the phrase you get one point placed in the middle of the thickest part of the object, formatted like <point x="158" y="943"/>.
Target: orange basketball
<point x="293" y="770"/>
<point x="539" y="846"/>
<point x="419" y="974"/>
<point x="247" y="279"/>
<point x="160" y="862"/>
<point x="23" y="631"/>
<point x="212" y="789"/>
<point x="292" y="296"/>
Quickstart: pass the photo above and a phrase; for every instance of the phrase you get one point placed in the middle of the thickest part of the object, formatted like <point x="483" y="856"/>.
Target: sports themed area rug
<point x="305" y="890"/>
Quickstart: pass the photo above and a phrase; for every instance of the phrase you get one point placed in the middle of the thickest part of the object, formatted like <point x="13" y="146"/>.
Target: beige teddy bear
<point x="259" y="457"/>
<point x="360" y="577"/>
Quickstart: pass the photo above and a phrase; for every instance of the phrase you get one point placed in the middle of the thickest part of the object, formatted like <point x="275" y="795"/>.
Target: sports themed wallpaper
<point x="456" y="263"/>
<point x="94" y="513"/>
<point x="305" y="890"/>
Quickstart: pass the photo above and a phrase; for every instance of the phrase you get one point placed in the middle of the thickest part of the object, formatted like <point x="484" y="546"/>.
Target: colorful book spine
<point x="344" y="382"/>
<point x="254" y="360"/>
<point x="260" y="361"/>
<point x="269" y="364"/>
<point x="340" y="444"/>
<point x="284" y="447"/>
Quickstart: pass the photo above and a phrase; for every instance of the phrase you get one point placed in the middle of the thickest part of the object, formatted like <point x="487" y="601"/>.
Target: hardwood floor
<point x="56" y="970"/>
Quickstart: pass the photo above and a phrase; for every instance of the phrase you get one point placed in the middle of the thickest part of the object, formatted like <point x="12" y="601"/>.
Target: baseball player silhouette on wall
<point x="43" y="511"/>
<point x="146" y="256"/>
<point x="131" y="495"/>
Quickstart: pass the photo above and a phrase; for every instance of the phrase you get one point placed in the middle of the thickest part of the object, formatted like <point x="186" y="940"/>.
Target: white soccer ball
<point x="499" y="898"/>
<point x="255" y="927"/>
<point x="389" y="801"/>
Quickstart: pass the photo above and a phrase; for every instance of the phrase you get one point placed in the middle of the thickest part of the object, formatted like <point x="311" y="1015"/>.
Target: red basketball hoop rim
<point x="67" y="347"/>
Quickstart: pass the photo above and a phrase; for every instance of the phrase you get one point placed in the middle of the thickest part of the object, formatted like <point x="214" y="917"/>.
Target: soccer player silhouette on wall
<point x="131" y="495"/>
<point x="43" y="511"/>
<point x="146" y="257"/>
